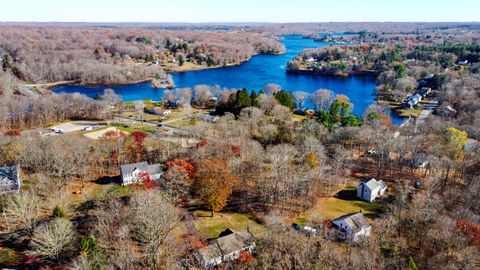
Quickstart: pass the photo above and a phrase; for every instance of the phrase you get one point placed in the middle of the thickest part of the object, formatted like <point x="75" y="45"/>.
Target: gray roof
<point x="472" y="145"/>
<point x="155" y="168"/>
<point x="356" y="221"/>
<point x="129" y="168"/>
<point x="9" y="179"/>
<point x="374" y="183"/>
<point x="209" y="118"/>
<point x="226" y="245"/>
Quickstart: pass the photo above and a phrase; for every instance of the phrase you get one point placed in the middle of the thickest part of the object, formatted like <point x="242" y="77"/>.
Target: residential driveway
<point x="427" y="110"/>
<point x="100" y="133"/>
<point x="74" y="126"/>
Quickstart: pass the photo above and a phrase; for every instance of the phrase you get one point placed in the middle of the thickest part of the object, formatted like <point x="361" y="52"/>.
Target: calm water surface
<point x="254" y="74"/>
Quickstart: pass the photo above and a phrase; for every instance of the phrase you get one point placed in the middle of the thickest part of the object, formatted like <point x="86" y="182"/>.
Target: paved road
<point x="171" y="129"/>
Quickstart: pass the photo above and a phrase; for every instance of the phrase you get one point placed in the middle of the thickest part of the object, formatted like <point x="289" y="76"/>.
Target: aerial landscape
<point x="239" y="134"/>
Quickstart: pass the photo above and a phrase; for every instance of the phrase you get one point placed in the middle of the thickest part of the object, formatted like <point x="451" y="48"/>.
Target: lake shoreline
<point x="253" y="74"/>
<point x="169" y="70"/>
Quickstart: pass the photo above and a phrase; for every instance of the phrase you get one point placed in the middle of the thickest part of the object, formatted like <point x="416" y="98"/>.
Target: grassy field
<point x="332" y="208"/>
<point x="298" y="118"/>
<point x="136" y="128"/>
<point x="344" y="202"/>
<point x="412" y="113"/>
<point x="211" y="227"/>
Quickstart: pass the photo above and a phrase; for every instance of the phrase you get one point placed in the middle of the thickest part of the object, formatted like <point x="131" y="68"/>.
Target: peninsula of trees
<point x="115" y="55"/>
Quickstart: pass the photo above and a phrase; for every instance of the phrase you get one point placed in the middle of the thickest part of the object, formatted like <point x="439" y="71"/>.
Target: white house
<point x="419" y="160"/>
<point x="227" y="247"/>
<point x="209" y="118"/>
<point x="10" y="181"/>
<point x="352" y="227"/>
<point x="368" y="191"/>
<point x="133" y="173"/>
<point x="167" y="113"/>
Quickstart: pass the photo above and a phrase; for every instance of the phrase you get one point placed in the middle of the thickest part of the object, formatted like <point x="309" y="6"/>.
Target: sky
<point x="196" y="11"/>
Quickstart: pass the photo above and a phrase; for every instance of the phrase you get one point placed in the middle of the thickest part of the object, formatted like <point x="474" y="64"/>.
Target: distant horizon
<point x="225" y="22"/>
<point x="218" y="11"/>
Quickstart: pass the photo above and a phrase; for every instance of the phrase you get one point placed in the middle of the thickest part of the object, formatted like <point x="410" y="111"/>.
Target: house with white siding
<point x="351" y="227"/>
<point x="227" y="247"/>
<point x="135" y="173"/>
<point x="371" y="189"/>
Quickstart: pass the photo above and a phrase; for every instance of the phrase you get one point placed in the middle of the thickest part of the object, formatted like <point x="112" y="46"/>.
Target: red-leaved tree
<point x="139" y="139"/>
<point x="202" y="143"/>
<point x="185" y="165"/>
<point x="146" y="180"/>
<point x="236" y="149"/>
<point x="471" y="230"/>
<point x="246" y="257"/>
<point x="12" y="133"/>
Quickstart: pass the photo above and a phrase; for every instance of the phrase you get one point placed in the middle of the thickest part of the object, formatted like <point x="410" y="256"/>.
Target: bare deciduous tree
<point x="52" y="239"/>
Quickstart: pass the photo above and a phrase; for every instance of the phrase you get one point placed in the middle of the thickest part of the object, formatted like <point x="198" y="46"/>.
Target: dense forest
<point x="258" y="165"/>
<point x="51" y="54"/>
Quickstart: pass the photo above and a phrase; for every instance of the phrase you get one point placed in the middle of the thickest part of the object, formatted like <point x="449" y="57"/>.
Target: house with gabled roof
<point x="10" y="181"/>
<point x="351" y="227"/>
<point x="135" y="173"/>
<point x="371" y="189"/>
<point x="227" y="247"/>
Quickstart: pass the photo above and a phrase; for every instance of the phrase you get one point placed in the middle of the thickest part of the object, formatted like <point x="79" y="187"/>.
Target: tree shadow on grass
<point x="347" y="195"/>
<point x="106" y="180"/>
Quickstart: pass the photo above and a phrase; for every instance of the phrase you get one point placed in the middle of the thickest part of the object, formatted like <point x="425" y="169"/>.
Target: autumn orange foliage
<point x="215" y="183"/>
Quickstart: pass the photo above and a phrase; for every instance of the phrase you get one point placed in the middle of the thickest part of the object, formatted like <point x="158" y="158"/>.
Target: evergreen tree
<point x="254" y="99"/>
<point x="286" y="99"/>
<point x="181" y="60"/>
<point x="352" y="121"/>
<point x="242" y="100"/>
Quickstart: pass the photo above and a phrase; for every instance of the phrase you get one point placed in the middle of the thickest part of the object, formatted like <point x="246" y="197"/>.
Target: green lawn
<point x="334" y="207"/>
<point x="211" y="227"/>
<point x="407" y="113"/>
<point x="298" y="118"/>
<point x="133" y="129"/>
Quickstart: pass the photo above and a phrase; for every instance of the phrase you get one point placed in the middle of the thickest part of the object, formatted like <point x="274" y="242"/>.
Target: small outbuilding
<point x="371" y="189"/>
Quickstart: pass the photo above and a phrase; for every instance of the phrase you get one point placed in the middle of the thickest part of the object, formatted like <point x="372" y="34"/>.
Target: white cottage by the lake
<point x="371" y="189"/>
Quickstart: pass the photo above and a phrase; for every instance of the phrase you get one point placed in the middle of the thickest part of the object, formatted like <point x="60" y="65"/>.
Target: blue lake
<point x="254" y="74"/>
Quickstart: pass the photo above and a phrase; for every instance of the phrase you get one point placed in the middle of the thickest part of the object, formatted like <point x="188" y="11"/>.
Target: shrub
<point x="7" y="257"/>
<point x="88" y="246"/>
<point x="59" y="213"/>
